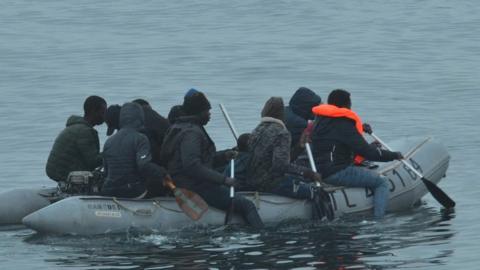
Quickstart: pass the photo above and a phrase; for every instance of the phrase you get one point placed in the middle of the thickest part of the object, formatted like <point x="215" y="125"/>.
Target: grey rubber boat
<point x="91" y="215"/>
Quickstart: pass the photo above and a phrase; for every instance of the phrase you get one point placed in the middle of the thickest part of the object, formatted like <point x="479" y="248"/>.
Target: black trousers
<point x="219" y="197"/>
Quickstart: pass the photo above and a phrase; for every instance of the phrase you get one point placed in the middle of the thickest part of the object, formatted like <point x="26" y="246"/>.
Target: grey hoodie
<point x="127" y="156"/>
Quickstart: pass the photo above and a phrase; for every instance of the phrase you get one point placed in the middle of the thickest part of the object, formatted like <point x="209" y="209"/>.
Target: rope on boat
<point x="139" y="212"/>
<point x="157" y="204"/>
<point x="258" y="199"/>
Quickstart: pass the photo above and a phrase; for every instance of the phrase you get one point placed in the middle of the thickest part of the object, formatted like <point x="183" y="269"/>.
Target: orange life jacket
<point x="336" y="112"/>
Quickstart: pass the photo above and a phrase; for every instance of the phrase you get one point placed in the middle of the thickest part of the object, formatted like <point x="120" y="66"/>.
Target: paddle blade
<point x="191" y="204"/>
<point x="438" y="194"/>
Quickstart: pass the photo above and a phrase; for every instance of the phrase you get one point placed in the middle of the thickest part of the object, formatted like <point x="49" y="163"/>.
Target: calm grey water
<point x="411" y="66"/>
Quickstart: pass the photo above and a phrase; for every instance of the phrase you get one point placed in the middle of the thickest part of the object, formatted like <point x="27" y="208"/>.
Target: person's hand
<point x="398" y="155"/>
<point x="376" y="144"/>
<point x="230" y="154"/>
<point x="304" y="138"/>
<point x="313" y="176"/>
<point x="367" y="128"/>
<point x="231" y="182"/>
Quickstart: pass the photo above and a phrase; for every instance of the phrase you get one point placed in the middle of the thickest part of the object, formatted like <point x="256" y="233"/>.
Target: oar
<point x="324" y="196"/>
<point x="232" y="162"/>
<point x="232" y="193"/>
<point x="190" y="203"/>
<point x="312" y="162"/>
<point x="436" y="192"/>
<point x="229" y="121"/>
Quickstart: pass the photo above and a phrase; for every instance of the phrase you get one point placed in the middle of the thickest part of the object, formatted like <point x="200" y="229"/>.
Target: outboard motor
<point x="82" y="183"/>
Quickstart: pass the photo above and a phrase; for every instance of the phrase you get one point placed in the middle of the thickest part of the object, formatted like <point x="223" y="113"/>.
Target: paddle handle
<point x="232" y="175"/>
<point x="312" y="161"/>
<point x="229" y="121"/>
<point x="402" y="160"/>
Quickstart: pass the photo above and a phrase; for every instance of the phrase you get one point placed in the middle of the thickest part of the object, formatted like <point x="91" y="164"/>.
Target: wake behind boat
<point x="91" y="215"/>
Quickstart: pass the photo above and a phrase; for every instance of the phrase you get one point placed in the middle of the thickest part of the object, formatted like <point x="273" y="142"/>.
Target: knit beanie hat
<point x="274" y="108"/>
<point x="191" y="92"/>
<point x="195" y="103"/>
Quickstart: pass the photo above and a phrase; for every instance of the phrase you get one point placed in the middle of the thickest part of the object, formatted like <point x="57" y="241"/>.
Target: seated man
<point x="241" y="163"/>
<point x="269" y="168"/>
<point x="77" y="147"/>
<point x="128" y="160"/>
<point x="191" y="157"/>
<point x="337" y="138"/>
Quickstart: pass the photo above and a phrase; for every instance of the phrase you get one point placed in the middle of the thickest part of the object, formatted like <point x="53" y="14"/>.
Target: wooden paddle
<point x="191" y="204"/>
<point x="436" y="192"/>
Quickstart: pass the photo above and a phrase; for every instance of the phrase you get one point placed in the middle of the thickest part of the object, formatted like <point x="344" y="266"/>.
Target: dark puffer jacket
<point x="190" y="155"/>
<point x="76" y="148"/>
<point x="336" y="141"/>
<point x="299" y="112"/>
<point x="127" y="157"/>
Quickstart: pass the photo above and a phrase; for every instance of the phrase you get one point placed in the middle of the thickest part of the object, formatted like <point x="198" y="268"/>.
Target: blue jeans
<point x="361" y="177"/>
<point x="293" y="187"/>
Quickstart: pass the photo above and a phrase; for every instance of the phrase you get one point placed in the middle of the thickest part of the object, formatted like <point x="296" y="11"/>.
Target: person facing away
<point x="270" y="169"/>
<point x="190" y="156"/>
<point x="77" y="147"/>
<point x="337" y="138"/>
<point x="128" y="161"/>
<point x="299" y="112"/>
<point x="156" y="127"/>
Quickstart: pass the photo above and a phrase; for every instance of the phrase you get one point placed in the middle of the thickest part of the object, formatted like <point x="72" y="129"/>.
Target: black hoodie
<point x="299" y="112"/>
<point x="335" y="143"/>
<point x="127" y="156"/>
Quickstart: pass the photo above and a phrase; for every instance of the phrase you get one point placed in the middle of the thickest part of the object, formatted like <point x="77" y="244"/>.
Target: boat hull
<point x="90" y="215"/>
<point x="15" y="204"/>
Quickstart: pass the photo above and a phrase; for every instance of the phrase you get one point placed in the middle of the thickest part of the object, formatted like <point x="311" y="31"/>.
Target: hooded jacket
<point x="127" y="157"/>
<point x="76" y="148"/>
<point x="269" y="146"/>
<point x="299" y="112"/>
<point x="190" y="154"/>
<point x="336" y="141"/>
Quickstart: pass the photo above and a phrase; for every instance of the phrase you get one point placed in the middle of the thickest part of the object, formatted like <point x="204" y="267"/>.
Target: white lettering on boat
<point x="102" y="206"/>
<point x="110" y="214"/>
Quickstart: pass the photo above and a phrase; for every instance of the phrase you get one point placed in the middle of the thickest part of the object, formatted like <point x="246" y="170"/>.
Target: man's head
<point x="274" y="108"/>
<point x="175" y="112"/>
<point x="191" y="92"/>
<point x="132" y="116"/>
<point x="303" y="101"/>
<point x="197" y="104"/>
<point x="142" y="102"/>
<point x="242" y="142"/>
<point x="94" y="109"/>
<point x="112" y="118"/>
<point x="340" y="98"/>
